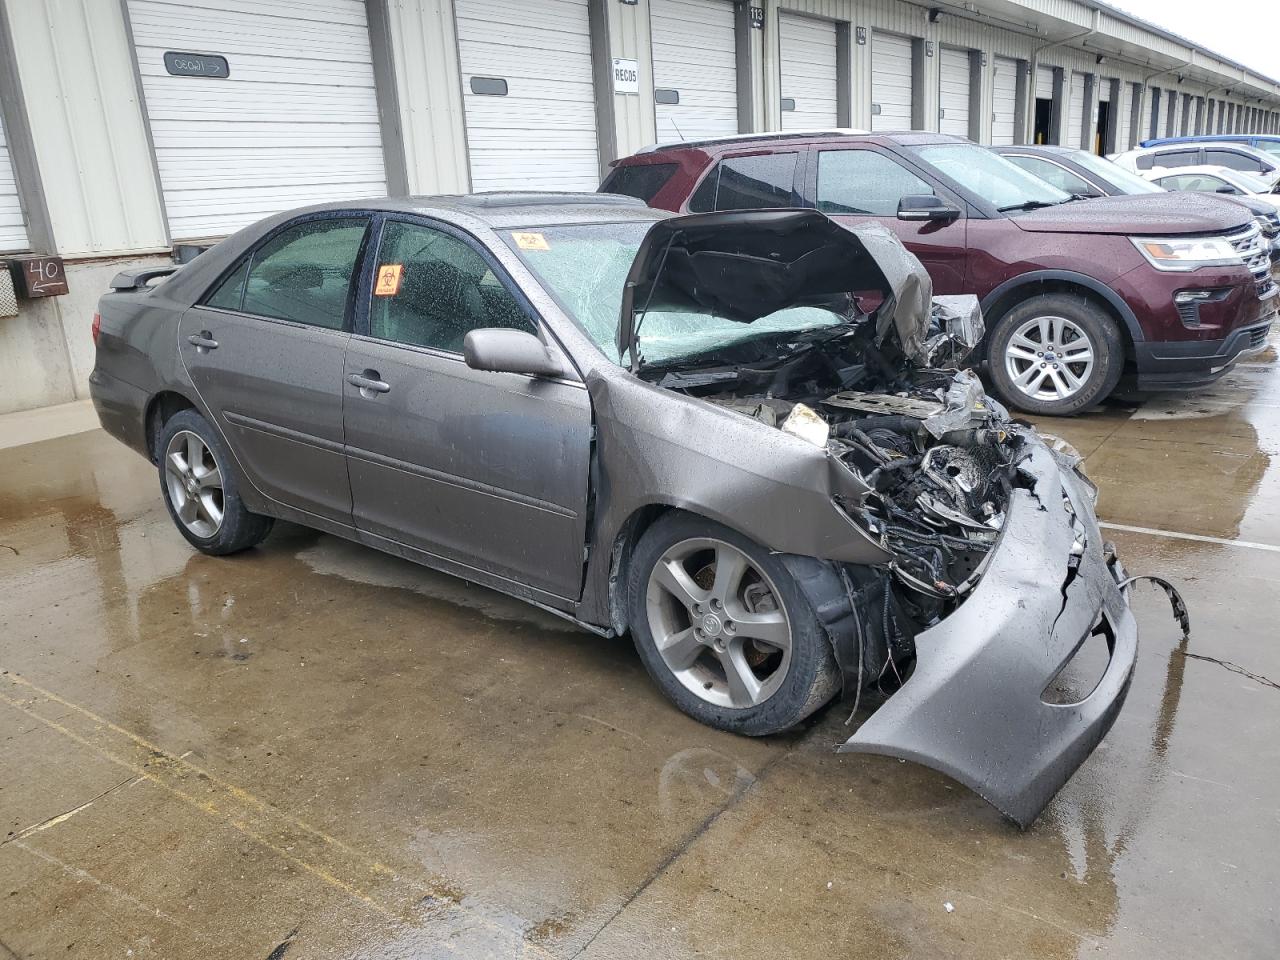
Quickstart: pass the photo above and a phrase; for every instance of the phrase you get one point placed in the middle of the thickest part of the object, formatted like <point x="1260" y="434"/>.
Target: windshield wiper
<point x="1027" y="205"/>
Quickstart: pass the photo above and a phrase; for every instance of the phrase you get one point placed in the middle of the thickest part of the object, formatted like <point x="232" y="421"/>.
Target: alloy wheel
<point x="193" y="480"/>
<point x="718" y="623"/>
<point x="1049" y="358"/>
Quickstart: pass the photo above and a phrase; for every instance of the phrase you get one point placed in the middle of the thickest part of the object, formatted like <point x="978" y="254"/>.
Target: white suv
<point x="1234" y="156"/>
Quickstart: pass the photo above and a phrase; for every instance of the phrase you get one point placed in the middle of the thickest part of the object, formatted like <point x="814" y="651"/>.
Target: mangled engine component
<point x="940" y="473"/>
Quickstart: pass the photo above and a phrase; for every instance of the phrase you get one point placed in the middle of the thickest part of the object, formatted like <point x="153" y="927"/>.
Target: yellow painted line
<point x="262" y="817"/>
<point x="205" y="806"/>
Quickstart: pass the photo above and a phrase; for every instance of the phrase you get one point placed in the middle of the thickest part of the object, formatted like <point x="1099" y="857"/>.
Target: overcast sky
<point x="1244" y="30"/>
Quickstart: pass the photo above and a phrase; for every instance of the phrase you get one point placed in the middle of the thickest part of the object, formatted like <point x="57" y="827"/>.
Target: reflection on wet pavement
<point x="321" y="751"/>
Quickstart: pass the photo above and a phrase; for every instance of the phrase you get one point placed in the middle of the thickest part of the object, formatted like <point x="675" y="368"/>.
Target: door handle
<point x="369" y="383"/>
<point x="203" y="341"/>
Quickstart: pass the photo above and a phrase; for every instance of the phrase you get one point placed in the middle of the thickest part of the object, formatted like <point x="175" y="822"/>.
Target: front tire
<point x="724" y="630"/>
<point x="200" y="490"/>
<point x="1057" y="354"/>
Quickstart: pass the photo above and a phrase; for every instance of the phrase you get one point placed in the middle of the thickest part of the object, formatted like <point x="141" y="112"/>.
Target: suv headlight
<point x="1186" y="253"/>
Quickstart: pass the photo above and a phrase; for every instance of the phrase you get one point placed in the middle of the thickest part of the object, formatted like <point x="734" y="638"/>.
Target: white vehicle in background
<point x="1236" y="184"/>
<point x="1211" y="179"/>
<point x="1234" y="156"/>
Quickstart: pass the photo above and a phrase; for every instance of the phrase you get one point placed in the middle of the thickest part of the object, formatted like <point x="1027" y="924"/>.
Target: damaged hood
<point x="745" y="265"/>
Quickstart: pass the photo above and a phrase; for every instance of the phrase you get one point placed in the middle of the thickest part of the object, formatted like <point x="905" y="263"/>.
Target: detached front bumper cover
<point x="973" y="706"/>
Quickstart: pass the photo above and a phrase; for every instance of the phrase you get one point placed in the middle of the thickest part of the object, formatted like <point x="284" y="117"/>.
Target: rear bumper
<point x="973" y="706"/>
<point x="121" y="409"/>
<point x="1180" y="364"/>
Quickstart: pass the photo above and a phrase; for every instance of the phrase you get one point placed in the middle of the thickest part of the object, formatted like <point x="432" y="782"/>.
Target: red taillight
<point x="97" y="327"/>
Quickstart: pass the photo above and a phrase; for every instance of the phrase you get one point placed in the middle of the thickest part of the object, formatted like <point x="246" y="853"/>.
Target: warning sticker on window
<point x="388" y="284"/>
<point x="530" y="241"/>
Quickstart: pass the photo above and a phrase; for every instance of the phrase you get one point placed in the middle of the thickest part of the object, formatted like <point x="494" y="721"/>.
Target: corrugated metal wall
<point x="92" y="148"/>
<point x="424" y="47"/>
<point x="90" y="141"/>
<point x="13" y="229"/>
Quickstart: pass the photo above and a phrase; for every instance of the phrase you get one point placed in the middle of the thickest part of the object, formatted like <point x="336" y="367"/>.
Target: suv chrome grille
<point x="1256" y="253"/>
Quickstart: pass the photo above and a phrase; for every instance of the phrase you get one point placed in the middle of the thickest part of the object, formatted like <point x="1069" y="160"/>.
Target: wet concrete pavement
<point x="314" y="750"/>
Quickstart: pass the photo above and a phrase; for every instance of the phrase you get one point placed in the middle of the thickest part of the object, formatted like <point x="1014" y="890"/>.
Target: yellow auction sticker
<point x="388" y="284"/>
<point x="530" y="241"/>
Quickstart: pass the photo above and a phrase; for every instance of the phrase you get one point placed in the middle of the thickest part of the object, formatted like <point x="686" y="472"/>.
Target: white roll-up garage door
<point x="695" y="65"/>
<point x="807" y="54"/>
<point x="13" y="231"/>
<point x="1004" y="110"/>
<point x="1075" y="111"/>
<point x="528" y="94"/>
<point x="1124" y="117"/>
<point x="891" y="82"/>
<point x="294" y="121"/>
<point x="1044" y="83"/>
<point x="953" y="91"/>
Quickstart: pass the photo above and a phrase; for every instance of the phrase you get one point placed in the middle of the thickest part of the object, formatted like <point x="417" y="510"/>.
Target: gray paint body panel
<point x="583" y="459"/>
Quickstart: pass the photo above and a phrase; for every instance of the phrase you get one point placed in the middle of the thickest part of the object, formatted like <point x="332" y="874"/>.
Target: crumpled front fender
<point x="973" y="706"/>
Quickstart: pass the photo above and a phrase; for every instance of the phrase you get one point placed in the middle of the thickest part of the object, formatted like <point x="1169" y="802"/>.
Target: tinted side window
<point x="430" y="289"/>
<point x="864" y="182"/>
<point x="1145" y="162"/>
<point x="1232" y="160"/>
<point x="642" y="181"/>
<point x="304" y="272"/>
<point x="1177" y="158"/>
<point x="749" y="183"/>
<point x="1052" y="174"/>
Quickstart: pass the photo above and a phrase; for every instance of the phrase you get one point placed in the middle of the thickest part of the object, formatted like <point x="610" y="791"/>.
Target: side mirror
<point x="1226" y="190"/>
<point x="926" y="207"/>
<point x="509" y="351"/>
<point x="1088" y="193"/>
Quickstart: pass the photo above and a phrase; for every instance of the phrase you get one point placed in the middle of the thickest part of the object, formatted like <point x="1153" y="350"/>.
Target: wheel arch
<point x="160" y="408"/>
<point x="1025" y="286"/>
<point x="624" y="541"/>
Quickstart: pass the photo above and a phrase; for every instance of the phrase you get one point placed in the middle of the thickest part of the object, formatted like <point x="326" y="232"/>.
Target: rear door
<point x="486" y="470"/>
<point x="857" y="184"/>
<point x="264" y="350"/>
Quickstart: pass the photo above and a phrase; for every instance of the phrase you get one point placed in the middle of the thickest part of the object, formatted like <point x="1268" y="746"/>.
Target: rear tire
<point x="1057" y="354"/>
<point x="724" y="629"/>
<point x="200" y="489"/>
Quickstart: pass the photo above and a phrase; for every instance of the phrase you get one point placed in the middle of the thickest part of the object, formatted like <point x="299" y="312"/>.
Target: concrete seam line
<point x="1198" y="538"/>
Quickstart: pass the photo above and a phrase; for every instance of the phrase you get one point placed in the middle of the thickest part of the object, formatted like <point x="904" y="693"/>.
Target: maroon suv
<point x="1165" y="290"/>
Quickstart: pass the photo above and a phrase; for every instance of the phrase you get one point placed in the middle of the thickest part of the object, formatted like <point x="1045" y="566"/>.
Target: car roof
<point x="1238" y="138"/>
<point x="509" y="208"/>
<point x="748" y="140"/>
<point x="1225" y="144"/>
<point x="736" y="138"/>
<point x="1047" y="148"/>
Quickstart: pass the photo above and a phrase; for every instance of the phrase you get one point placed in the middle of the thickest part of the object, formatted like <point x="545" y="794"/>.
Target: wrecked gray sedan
<point x="744" y="438"/>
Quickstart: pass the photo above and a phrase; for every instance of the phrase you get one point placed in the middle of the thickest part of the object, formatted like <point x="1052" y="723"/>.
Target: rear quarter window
<point x="756" y="182"/>
<point x="639" y="180"/>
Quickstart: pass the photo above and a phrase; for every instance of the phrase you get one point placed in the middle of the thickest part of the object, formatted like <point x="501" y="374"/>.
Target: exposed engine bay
<point x="939" y="458"/>
<point x="973" y="568"/>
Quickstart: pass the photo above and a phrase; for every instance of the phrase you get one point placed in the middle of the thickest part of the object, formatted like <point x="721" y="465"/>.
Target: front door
<point x="859" y="184"/>
<point x="488" y="470"/>
<point x="264" y="350"/>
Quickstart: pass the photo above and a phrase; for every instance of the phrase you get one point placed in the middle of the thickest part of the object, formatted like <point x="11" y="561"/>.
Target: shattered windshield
<point x="585" y="266"/>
